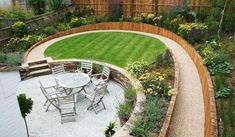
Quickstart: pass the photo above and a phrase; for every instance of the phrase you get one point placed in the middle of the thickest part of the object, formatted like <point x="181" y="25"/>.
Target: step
<point x="36" y="62"/>
<point x="40" y="72"/>
<point x="38" y="66"/>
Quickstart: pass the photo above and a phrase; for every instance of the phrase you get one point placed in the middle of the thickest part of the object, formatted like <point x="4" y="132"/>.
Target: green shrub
<point x="151" y="118"/>
<point x="137" y="68"/>
<point x="54" y="4"/>
<point x="62" y="26"/>
<point x="16" y="12"/>
<point x="129" y="94"/>
<point x="76" y="22"/>
<point x="124" y="110"/>
<point x="38" y="6"/>
<point x="155" y="84"/>
<point x="19" y="29"/>
<point x="164" y="59"/>
<point x="3" y="57"/>
<point x="14" y="58"/>
<point x="50" y="30"/>
<point x="220" y="68"/>
<point x="193" y="32"/>
<point x="22" y="44"/>
<point x="223" y="93"/>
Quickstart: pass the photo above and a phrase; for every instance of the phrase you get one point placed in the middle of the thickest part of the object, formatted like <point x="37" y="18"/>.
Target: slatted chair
<point x="51" y="93"/>
<point x="58" y="69"/>
<point x="67" y="107"/>
<point x="100" y="78"/>
<point x="96" y="97"/>
<point x="86" y="67"/>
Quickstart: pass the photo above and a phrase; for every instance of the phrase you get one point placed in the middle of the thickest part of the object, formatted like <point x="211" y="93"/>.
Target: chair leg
<point x="103" y="105"/>
<point x="45" y="103"/>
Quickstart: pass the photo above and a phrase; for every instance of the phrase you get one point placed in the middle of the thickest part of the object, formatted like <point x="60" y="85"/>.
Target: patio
<point x="87" y="124"/>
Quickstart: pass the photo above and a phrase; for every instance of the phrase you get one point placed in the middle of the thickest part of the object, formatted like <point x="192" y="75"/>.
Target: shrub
<point x="223" y="93"/>
<point x="76" y="22"/>
<point x="164" y="59"/>
<point x="129" y="95"/>
<point x="50" y="30"/>
<point x="151" y="119"/>
<point x="21" y="44"/>
<point x="16" y="12"/>
<point x="155" y="84"/>
<point x="54" y="4"/>
<point x="137" y="68"/>
<point x="3" y="57"/>
<point x="14" y="58"/>
<point x="19" y="29"/>
<point x="62" y="26"/>
<point x="124" y="110"/>
<point x="38" y="6"/>
<point x="194" y="32"/>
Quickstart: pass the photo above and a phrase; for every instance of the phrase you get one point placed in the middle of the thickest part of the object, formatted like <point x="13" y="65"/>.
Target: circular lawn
<point x="118" y="48"/>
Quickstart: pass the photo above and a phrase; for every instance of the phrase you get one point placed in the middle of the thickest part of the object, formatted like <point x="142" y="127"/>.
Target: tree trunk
<point x="222" y="19"/>
<point x="26" y="127"/>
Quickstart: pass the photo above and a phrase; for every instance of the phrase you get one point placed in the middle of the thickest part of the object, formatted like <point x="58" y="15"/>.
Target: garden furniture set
<point x="63" y="94"/>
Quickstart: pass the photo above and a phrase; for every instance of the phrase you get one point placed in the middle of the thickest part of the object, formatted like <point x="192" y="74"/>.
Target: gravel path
<point x="188" y="117"/>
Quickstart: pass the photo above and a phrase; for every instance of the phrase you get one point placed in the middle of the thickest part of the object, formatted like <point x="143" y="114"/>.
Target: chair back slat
<point x="106" y="72"/>
<point x="86" y="65"/>
<point x="58" y="69"/>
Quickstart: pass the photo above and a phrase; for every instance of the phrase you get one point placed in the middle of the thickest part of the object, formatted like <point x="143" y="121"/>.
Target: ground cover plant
<point x="111" y="47"/>
<point x="157" y="81"/>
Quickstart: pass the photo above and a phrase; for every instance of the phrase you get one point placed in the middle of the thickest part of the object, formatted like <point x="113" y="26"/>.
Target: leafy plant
<point x="124" y="110"/>
<point x="16" y="12"/>
<point x="115" y="12"/>
<point x="50" y="30"/>
<point x="3" y="57"/>
<point x="151" y="119"/>
<point x="129" y="95"/>
<point x="19" y="29"/>
<point x="109" y="131"/>
<point x="54" y="4"/>
<point x="62" y="26"/>
<point x="76" y="22"/>
<point x="194" y="32"/>
<point x="223" y="93"/>
<point x="22" y="44"/>
<point x="26" y="105"/>
<point x="155" y="84"/>
<point x="38" y="6"/>
<point x="164" y="59"/>
<point x="13" y="58"/>
<point x="137" y="68"/>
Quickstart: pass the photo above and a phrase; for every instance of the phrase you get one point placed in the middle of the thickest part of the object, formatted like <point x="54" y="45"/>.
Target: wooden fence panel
<point x="134" y="8"/>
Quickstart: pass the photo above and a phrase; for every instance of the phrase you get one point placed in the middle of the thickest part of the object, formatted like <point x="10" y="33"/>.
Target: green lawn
<point x="112" y="47"/>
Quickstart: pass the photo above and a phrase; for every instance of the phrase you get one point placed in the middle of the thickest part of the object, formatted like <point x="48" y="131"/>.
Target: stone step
<point x="39" y="72"/>
<point x="36" y="62"/>
<point x="38" y="67"/>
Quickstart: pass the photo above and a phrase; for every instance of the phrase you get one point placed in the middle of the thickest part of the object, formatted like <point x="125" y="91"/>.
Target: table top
<point x="73" y="80"/>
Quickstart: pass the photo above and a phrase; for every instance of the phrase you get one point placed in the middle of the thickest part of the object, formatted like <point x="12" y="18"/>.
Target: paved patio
<point x="88" y="124"/>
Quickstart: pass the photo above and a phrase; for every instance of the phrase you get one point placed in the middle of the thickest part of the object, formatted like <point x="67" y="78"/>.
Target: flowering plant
<point x="155" y="84"/>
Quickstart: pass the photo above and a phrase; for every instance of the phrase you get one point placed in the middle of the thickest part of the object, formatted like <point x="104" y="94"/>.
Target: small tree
<point x="26" y="105"/>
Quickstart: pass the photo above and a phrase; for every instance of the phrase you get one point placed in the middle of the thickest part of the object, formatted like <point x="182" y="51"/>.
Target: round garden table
<point x="73" y="80"/>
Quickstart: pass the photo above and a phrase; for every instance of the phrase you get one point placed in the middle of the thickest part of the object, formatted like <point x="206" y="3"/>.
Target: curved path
<point x="188" y="117"/>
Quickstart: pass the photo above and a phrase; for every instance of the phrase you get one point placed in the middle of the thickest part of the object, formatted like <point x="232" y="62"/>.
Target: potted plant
<point x="109" y="131"/>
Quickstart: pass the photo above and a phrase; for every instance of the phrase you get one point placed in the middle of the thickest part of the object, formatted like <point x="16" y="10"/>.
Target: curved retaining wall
<point x="210" y="123"/>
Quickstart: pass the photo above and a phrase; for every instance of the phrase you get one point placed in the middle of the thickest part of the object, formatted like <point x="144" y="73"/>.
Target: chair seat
<point x="96" y="81"/>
